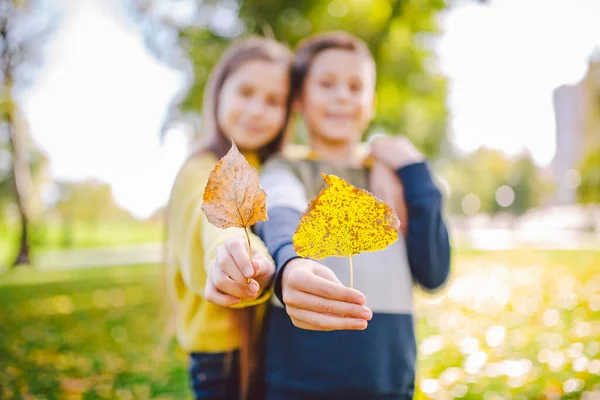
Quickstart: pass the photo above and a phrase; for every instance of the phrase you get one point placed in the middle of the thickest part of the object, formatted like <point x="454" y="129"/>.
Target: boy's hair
<point x="309" y="48"/>
<point x="304" y="56"/>
<point x="244" y="50"/>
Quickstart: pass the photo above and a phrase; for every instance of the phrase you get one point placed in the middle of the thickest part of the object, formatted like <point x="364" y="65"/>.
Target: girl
<point x="246" y="100"/>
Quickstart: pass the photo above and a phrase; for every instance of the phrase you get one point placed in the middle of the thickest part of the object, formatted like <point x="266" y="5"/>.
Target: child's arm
<point x="313" y="296"/>
<point x="427" y="241"/>
<point x="195" y="243"/>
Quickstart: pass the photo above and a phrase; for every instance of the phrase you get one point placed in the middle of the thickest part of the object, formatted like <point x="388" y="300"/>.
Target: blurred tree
<point x="401" y="33"/>
<point x="37" y="162"/>
<point x="480" y="173"/>
<point x="483" y="172"/>
<point x="527" y="184"/>
<point x="411" y="91"/>
<point x="24" y="30"/>
<point x="161" y="22"/>
<point x="90" y="202"/>
<point x="588" y="192"/>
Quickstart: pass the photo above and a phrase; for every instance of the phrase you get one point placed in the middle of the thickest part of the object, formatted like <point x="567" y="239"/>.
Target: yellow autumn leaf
<point x="343" y="221"/>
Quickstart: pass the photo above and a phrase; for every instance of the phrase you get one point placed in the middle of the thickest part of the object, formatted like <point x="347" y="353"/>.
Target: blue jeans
<point x="215" y="376"/>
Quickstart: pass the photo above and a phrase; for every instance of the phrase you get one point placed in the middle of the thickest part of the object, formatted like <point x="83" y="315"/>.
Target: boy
<point x="371" y="352"/>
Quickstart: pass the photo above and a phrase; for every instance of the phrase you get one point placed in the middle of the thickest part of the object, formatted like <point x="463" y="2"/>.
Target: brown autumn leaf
<point x="233" y="196"/>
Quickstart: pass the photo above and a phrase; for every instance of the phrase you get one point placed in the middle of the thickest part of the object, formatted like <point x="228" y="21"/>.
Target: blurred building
<point x="577" y="119"/>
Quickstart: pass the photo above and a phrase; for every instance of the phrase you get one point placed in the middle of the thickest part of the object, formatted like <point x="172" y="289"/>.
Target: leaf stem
<point x="351" y="273"/>
<point x="249" y="249"/>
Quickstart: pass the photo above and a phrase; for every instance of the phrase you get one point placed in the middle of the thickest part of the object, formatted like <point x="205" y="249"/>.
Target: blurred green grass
<point x="89" y="334"/>
<point x="512" y="324"/>
<point x="51" y="236"/>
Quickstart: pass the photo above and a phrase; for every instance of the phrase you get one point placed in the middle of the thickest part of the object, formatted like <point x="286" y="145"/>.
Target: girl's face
<point x="337" y="100"/>
<point x="252" y="103"/>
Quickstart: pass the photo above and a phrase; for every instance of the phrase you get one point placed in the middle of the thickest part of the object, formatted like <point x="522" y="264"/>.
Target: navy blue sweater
<point x="379" y="362"/>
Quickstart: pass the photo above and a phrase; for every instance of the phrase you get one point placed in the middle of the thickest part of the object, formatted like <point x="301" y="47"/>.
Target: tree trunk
<point x="22" y="184"/>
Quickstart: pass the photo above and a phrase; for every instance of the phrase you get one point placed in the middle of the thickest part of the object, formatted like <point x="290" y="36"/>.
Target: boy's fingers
<point x="309" y="302"/>
<point x="326" y="273"/>
<point x="322" y="287"/>
<point x="322" y="322"/>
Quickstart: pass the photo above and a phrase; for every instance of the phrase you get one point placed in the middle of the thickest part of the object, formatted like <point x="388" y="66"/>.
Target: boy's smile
<point x="338" y="96"/>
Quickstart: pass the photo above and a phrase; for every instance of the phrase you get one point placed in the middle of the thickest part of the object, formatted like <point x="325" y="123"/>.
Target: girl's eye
<point x="327" y="83"/>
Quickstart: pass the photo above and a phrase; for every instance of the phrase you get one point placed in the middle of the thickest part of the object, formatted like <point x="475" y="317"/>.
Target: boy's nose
<point x="342" y="93"/>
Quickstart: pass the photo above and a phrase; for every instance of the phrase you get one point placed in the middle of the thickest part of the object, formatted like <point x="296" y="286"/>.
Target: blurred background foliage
<point x="410" y="89"/>
<point x="190" y="36"/>
<point x="516" y="324"/>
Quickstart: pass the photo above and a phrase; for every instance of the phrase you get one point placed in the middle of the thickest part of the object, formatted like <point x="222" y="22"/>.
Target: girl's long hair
<point x="249" y="49"/>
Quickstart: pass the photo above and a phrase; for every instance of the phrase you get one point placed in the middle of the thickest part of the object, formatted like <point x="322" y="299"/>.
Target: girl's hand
<point x="227" y="282"/>
<point x="395" y="151"/>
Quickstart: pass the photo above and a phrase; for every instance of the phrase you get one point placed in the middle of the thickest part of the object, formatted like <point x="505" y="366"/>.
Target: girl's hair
<point x="218" y="143"/>
<point x="242" y="51"/>
<point x="304" y="56"/>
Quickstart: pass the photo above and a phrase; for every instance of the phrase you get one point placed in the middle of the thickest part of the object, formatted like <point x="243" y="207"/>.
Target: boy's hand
<point x="227" y="281"/>
<point x="316" y="300"/>
<point x="395" y="151"/>
<point x="385" y="185"/>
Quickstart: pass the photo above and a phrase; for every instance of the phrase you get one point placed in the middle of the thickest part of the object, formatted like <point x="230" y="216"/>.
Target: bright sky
<point x="504" y="60"/>
<point x="99" y="104"/>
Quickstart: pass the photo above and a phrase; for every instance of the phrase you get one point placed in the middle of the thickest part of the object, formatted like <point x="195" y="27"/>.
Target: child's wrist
<point x="409" y="160"/>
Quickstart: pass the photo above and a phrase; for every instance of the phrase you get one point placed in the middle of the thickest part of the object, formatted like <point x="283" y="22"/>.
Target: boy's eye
<point x="326" y="83"/>
<point x="246" y="91"/>
<point x="355" y="86"/>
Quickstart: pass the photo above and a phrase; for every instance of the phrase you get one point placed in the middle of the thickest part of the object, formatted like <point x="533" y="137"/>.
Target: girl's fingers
<point x="238" y="250"/>
<point x="227" y="264"/>
<point x="213" y="296"/>
<point x="226" y="285"/>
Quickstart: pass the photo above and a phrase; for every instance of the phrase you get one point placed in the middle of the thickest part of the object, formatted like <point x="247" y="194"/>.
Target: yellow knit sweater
<point x="191" y="248"/>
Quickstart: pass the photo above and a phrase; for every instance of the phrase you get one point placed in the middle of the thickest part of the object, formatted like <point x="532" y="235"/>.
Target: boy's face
<point x="337" y="100"/>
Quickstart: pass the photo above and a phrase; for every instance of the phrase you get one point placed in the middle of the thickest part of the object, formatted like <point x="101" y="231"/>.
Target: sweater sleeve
<point x="427" y="240"/>
<point x="286" y="200"/>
